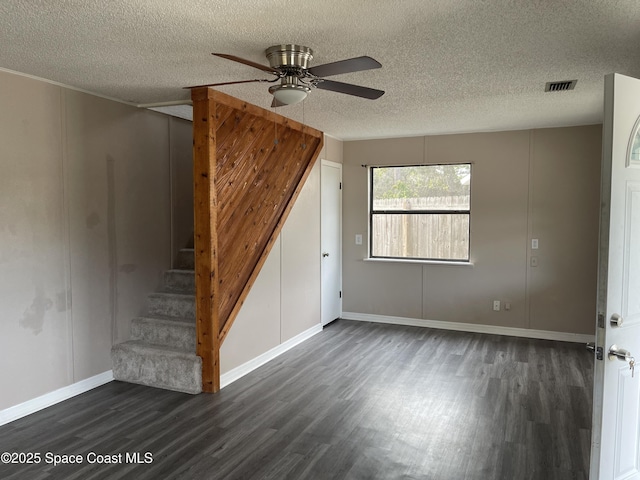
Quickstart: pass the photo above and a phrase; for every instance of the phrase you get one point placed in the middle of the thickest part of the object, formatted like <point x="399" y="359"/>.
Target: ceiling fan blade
<point x="259" y="66"/>
<point x="350" y="89"/>
<point x="227" y="83"/>
<point x="356" y="64"/>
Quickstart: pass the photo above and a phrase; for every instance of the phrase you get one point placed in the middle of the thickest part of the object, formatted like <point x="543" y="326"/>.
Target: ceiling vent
<point x="560" y="86"/>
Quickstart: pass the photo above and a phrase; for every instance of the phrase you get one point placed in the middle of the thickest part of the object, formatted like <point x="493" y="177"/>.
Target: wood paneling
<point x="206" y="237"/>
<point x="259" y="161"/>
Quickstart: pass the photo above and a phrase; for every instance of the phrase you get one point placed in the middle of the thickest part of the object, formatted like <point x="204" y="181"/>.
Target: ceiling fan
<point x="290" y="65"/>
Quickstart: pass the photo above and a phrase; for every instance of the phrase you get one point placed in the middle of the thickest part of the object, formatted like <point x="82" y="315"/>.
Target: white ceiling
<point x="447" y="65"/>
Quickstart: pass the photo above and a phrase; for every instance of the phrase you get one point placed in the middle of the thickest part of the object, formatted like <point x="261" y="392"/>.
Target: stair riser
<point x="185" y="260"/>
<point x="178" y="281"/>
<point x="179" y="336"/>
<point x="170" y="306"/>
<point x="157" y="370"/>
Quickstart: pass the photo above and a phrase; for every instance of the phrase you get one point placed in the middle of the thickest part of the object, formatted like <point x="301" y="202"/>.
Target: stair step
<point x="185" y="259"/>
<point x="157" y="366"/>
<point x="178" y="333"/>
<point x="176" y="305"/>
<point x="183" y="281"/>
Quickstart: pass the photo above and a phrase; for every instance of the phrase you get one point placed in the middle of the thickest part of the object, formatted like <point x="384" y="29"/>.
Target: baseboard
<point x="239" y="372"/>
<point x="471" y="327"/>
<point x="48" y="399"/>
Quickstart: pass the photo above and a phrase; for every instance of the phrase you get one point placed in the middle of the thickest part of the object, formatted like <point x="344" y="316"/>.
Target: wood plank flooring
<point x="358" y="401"/>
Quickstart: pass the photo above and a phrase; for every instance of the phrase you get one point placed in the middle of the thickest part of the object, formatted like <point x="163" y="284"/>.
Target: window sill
<point x="418" y="262"/>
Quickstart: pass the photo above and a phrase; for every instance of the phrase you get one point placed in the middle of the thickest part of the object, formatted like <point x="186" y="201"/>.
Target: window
<point x="420" y="212"/>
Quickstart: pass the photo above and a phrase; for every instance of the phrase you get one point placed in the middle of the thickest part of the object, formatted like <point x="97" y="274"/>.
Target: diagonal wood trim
<point x="250" y="165"/>
<point x="271" y="240"/>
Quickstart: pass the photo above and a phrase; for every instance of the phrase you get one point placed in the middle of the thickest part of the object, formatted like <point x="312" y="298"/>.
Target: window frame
<point x="373" y="212"/>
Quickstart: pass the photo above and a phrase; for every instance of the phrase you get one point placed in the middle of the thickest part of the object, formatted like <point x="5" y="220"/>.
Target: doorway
<point x="331" y="240"/>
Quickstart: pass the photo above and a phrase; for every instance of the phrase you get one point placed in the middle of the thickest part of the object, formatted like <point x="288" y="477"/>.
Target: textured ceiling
<point x="448" y="65"/>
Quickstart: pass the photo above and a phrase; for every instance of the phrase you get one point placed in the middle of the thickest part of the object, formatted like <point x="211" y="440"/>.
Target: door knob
<point x="623" y="355"/>
<point x="325" y="254"/>
<point x="616" y="320"/>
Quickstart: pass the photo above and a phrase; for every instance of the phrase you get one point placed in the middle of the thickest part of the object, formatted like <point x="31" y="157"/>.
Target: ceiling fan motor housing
<point x="289" y="57"/>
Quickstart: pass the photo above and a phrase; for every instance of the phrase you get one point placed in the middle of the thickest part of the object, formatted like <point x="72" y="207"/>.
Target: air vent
<point x="560" y="86"/>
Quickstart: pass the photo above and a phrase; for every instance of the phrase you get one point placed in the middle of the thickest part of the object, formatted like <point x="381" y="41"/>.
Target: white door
<point x="331" y="240"/>
<point x="615" y="449"/>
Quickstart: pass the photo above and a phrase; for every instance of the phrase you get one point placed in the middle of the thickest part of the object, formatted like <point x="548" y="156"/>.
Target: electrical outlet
<point x="496" y="305"/>
<point x="534" y="261"/>
<point x="507" y="306"/>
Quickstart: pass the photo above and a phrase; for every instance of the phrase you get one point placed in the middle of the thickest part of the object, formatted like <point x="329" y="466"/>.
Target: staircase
<point x="161" y="352"/>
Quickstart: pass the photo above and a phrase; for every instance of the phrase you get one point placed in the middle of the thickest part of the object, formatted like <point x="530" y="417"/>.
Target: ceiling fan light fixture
<point x="289" y="94"/>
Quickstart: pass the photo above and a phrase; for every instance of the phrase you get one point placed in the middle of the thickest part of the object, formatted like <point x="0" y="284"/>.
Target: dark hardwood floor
<point x="358" y="401"/>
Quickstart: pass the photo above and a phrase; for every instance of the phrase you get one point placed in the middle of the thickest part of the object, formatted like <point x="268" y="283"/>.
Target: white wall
<point x="85" y="230"/>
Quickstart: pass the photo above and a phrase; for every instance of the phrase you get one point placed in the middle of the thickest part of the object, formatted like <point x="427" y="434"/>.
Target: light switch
<point x="534" y="244"/>
<point x="534" y="261"/>
<point x="358" y="239"/>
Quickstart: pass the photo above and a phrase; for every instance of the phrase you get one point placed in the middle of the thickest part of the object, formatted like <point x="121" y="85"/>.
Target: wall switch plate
<point x="534" y="261"/>
<point x="496" y="305"/>
<point x="507" y="306"/>
<point x="534" y="244"/>
<point x="358" y="239"/>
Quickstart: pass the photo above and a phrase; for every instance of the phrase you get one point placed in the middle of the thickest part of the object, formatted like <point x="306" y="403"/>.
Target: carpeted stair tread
<point x="157" y="366"/>
<point x="185" y="259"/>
<point x="180" y="281"/>
<point x="168" y="318"/>
<point x="172" y="304"/>
<point x="151" y="347"/>
<point x="173" y="332"/>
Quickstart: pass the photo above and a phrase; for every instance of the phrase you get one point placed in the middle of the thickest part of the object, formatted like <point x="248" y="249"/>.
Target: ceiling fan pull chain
<point x="304" y="131"/>
<point x="275" y="128"/>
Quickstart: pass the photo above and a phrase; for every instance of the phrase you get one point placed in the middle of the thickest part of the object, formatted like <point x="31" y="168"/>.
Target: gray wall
<point x="85" y="229"/>
<point x="96" y="198"/>
<point x="526" y="184"/>
<point x="181" y="145"/>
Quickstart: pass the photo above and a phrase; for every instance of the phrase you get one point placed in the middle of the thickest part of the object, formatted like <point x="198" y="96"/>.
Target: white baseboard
<point x="238" y="372"/>
<point x="40" y="403"/>
<point x="471" y="327"/>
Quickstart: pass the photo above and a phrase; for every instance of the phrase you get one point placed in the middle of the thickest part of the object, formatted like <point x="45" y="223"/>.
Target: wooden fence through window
<point x="421" y="235"/>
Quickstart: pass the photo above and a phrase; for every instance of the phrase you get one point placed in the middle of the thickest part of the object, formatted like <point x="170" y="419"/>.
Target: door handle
<point x="325" y="254"/>
<point x="619" y="353"/>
